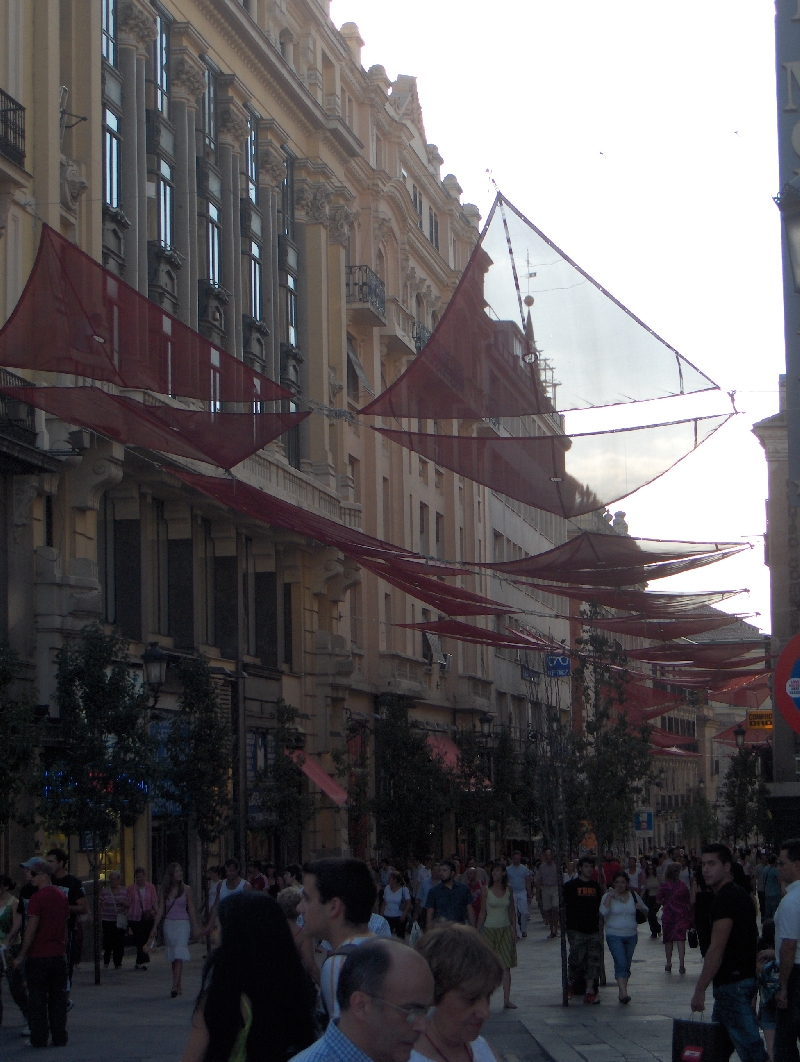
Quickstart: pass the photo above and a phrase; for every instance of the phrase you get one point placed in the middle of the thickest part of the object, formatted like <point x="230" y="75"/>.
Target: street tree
<point x="21" y="730"/>
<point x="98" y="777"/>
<point x="278" y="794"/>
<point x="195" y="781"/>
<point x="699" y="824"/>
<point x="743" y="796"/>
<point x="413" y="789"/>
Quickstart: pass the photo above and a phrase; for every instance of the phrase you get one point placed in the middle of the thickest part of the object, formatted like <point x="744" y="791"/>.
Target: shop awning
<point x="320" y="777"/>
<point x="445" y="749"/>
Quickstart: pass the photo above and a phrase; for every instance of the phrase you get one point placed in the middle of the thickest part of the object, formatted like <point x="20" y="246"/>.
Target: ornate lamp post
<point x="155" y="661"/>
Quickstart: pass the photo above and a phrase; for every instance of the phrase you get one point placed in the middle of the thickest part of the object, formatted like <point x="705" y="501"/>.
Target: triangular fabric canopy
<point x="578" y="348"/>
<point x="662" y="629"/>
<point x="646" y="602"/>
<point x="567" y="475"/>
<point x="315" y="772"/>
<point x="268" y="509"/>
<point x="751" y="737"/>
<point x="706" y="654"/>
<point x="77" y="318"/>
<point x="468" y="632"/>
<point x="223" y="439"/>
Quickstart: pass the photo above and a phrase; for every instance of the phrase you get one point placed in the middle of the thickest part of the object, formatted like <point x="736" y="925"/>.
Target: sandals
<point x="668" y="967"/>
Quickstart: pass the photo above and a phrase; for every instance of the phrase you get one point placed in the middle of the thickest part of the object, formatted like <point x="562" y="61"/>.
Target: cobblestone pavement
<point x="131" y="1017"/>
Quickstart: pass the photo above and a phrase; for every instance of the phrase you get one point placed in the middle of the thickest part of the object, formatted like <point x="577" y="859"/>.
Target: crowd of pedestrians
<point x="350" y="960"/>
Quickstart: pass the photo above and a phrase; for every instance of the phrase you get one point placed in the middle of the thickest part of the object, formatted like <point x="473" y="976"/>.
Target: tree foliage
<point x="412" y="788"/>
<point x="485" y="784"/>
<point x="699" y="824"/>
<point x="196" y="780"/>
<point x="21" y="734"/>
<point x="100" y="774"/>
<point x="743" y="796"/>
<point x="278" y="792"/>
<point x="615" y="761"/>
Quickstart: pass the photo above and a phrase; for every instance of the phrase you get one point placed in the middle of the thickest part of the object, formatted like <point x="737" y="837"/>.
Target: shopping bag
<point x="696" y="1040"/>
<point x="415" y="934"/>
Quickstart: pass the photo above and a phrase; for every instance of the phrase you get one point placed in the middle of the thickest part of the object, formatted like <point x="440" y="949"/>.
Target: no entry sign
<point x="787" y="683"/>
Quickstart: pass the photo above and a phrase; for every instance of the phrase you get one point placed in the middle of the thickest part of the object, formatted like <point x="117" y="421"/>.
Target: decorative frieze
<point x="311" y="202"/>
<point x="73" y="185"/>
<point x="136" y="27"/>
<point x="340" y="218"/>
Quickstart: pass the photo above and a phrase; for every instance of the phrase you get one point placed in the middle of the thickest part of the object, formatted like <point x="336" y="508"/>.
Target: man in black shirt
<point x="73" y="889"/>
<point x="582" y="898"/>
<point x="730" y="961"/>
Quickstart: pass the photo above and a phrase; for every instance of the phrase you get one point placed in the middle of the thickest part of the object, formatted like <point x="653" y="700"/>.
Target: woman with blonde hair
<point x="176" y="909"/>
<point x="465" y="972"/>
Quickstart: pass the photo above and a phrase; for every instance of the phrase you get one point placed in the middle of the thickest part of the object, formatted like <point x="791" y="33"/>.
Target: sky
<point x="641" y="138"/>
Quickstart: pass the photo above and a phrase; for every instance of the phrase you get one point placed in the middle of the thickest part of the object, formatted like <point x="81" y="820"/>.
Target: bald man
<point x="385" y="997"/>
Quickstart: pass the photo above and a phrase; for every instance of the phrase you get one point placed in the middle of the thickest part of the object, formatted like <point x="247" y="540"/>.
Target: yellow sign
<point x="759" y="720"/>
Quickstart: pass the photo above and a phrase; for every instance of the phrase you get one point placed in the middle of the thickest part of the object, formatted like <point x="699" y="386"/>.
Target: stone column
<point x="232" y="131"/>
<point x="136" y="30"/>
<point x="271" y="174"/>
<point x="186" y="85"/>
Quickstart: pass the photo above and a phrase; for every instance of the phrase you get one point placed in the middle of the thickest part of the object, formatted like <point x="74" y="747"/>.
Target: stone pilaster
<point x="232" y="131"/>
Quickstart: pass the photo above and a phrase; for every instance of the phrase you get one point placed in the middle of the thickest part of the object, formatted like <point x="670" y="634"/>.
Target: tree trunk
<point x="98" y="929"/>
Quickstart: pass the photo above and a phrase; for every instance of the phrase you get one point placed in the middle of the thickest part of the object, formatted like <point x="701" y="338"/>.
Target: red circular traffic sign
<point x="787" y="683"/>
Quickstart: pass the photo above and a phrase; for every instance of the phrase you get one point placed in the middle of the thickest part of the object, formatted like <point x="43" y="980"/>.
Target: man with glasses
<point x="385" y="998"/>
<point x="787" y="953"/>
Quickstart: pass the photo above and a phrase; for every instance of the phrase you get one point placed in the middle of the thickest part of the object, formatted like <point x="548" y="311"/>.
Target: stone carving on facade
<point x="163" y="264"/>
<point x="272" y="164"/>
<point x="187" y="79"/>
<point x="291" y="360"/>
<point x="232" y="125"/>
<point x="311" y="203"/>
<point x="73" y="185"/>
<point x="381" y="227"/>
<point x="334" y="387"/>
<point x="115" y="225"/>
<point x="340" y="218"/>
<point x="213" y="303"/>
<point x="100" y="469"/>
<point x="135" y="26"/>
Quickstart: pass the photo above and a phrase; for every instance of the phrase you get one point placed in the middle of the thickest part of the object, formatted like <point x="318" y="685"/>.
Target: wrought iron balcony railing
<point x="364" y="287"/>
<point x="12" y="129"/>
<point x="421" y="335"/>
<point x="17" y="419"/>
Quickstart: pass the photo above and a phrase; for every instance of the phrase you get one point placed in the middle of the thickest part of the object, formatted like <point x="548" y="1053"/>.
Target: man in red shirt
<point x="44" y="952"/>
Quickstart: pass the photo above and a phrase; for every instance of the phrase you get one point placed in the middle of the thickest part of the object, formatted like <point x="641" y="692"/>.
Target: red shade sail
<point x="77" y="318"/>
<point x="374" y="554"/>
<point x="638" y="697"/>
<point x="469" y="632"/>
<point x="663" y="630"/>
<point x="578" y="346"/>
<point x="647" y="603"/>
<point x="751" y="737"/>
<point x="706" y="654"/>
<point x="320" y="777"/>
<point x="595" y="559"/>
<point x="223" y="439"/>
<point x="566" y="475"/>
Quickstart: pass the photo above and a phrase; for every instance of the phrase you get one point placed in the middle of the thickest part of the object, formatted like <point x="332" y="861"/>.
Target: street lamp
<point x="788" y="203"/>
<point x="486" y="721"/>
<point x="155" y="668"/>
<point x="739" y="736"/>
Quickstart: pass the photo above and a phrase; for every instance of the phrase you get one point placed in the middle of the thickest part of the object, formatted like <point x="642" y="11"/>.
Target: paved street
<point x="131" y="1017"/>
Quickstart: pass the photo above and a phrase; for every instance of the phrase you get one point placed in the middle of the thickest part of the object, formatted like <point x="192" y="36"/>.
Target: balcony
<point x="17" y="419"/>
<point x="399" y="330"/>
<point x="12" y="130"/>
<point x="421" y="336"/>
<point x="365" y="295"/>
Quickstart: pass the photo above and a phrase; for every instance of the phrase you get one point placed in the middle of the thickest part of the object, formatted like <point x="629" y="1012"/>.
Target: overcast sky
<point x="640" y="137"/>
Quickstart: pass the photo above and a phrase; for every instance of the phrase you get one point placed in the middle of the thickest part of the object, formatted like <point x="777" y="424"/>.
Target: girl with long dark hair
<point x="256" y="1002"/>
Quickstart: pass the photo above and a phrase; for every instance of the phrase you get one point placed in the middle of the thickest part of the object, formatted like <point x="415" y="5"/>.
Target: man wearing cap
<point x="44" y="952"/>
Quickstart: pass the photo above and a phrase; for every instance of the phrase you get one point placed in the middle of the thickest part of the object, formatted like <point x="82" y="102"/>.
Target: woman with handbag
<point x="176" y="911"/>
<point x="114" y="916"/>
<point x="623" y="912"/>
<point x="676" y="915"/>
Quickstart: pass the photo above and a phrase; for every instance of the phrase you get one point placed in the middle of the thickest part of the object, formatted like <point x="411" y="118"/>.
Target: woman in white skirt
<point x="176" y="908"/>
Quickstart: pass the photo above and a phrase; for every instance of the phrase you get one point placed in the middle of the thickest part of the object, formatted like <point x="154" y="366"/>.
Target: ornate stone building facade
<point x="233" y="161"/>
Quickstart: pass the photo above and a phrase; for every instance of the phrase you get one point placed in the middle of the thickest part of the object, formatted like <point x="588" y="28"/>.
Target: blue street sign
<point x="643" y="822"/>
<point x="556" y="666"/>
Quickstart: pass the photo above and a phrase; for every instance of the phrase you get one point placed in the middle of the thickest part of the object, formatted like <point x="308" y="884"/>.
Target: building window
<point x="424" y="526"/>
<point x="433" y="227"/>
<point x="291" y="310"/>
<point x="251" y="163"/>
<point x="416" y="197"/>
<point x="287" y="198"/>
<point x="162" y="215"/>
<point x="108" y="23"/>
<point x="256" y="307"/>
<point x="213" y="245"/>
<point x="208" y="116"/>
<point x="111" y="157"/>
<point x="161" y="66"/>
